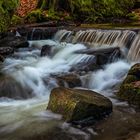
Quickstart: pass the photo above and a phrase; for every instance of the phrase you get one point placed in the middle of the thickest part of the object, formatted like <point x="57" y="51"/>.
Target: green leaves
<point x="6" y="8"/>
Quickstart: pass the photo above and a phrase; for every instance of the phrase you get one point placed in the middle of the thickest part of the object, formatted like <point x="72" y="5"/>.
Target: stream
<point x="28" y="119"/>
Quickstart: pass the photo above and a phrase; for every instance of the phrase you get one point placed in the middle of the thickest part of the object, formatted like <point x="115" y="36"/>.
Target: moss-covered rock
<point x="130" y="88"/>
<point x="7" y="8"/>
<point x="135" y="70"/>
<point x="131" y="93"/>
<point x="76" y="104"/>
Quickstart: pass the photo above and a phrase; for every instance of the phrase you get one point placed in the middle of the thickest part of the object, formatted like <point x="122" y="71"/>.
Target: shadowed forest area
<point x="79" y="11"/>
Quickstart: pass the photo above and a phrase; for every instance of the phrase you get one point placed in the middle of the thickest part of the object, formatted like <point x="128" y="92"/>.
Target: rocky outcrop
<point x="130" y="88"/>
<point x="79" y="106"/>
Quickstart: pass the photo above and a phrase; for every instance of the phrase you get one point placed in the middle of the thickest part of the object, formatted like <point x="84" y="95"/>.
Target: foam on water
<point x="103" y="81"/>
<point x="39" y="43"/>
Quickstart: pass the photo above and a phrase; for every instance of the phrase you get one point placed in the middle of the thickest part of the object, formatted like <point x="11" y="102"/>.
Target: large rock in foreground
<point x="77" y="105"/>
<point x="130" y="88"/>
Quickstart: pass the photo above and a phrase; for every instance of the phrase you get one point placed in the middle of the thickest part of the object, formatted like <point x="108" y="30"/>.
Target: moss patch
<point x="76" y="104"/>
<point x="130" y="88"/>
<point x="6" y="11"/>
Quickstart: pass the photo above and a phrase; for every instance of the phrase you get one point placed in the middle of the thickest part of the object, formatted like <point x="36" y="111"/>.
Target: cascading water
<point x="26" y="119"/>
<point x="127" y="40"/>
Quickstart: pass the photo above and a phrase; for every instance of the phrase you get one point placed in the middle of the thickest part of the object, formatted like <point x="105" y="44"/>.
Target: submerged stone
<point x="78" y="105"/>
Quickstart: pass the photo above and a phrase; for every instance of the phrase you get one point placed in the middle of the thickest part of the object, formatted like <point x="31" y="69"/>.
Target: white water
<point x="111" y="75"/>
<point x="30" y="70"/>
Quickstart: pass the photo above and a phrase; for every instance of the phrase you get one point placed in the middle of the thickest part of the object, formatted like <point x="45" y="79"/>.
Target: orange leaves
<point x="26" y="6"/>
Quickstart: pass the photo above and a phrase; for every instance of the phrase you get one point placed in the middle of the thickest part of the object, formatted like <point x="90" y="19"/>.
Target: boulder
<point x="130" y="88"/>
<point x="70" y="80"/>
<point x="10" y="88"/>
<point x="46" y="50"/>
<point x="79" y="106"/>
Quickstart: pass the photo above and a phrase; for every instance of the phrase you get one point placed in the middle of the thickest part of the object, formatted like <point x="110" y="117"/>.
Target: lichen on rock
<point x="77" y="104"/>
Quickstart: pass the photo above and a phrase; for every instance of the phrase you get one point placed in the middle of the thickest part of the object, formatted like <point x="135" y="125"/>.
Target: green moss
<point x="76" y="104"/>
<point x="89" y="10"/>
<point x="130" y="79"/>
<point x="34" y="16"/>
<point x="16" y="20"/>
<point x="130" y="93"/>
<point x="133" y="16"/>
<point x="6" y="11"/>
<point x="134" y="69"/>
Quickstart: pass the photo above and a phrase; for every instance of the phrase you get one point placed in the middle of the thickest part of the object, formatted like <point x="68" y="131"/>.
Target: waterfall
<point x="134" y="51"/>
<point x="127" y="40"/>
<point x="97" y="38"/>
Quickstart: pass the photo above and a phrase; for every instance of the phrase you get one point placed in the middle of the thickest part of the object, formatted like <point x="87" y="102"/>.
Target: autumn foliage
<point x="26" y="6"/>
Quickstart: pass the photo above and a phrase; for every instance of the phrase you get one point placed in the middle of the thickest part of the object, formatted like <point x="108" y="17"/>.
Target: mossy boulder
<point x="7" y="8"/>
<point x="77" y="104"/>
<point x="130" y="88"/>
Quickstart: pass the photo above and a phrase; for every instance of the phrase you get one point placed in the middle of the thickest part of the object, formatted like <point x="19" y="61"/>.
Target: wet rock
<point x="1" y="58"/>
<point x="39" y="33"/>
<point x="79" y="106"/>
<point x="85" y="66"/>
<point x="103" y="55"/>
<point x="46" y="50"/>
<point x="11" y="40"/>
<point x="6" y="51"/>
<point x="99" y="57"/>
<point x="10" y="88"/>
<point x="68" y="80"/>
<point x="130" y="88"/>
